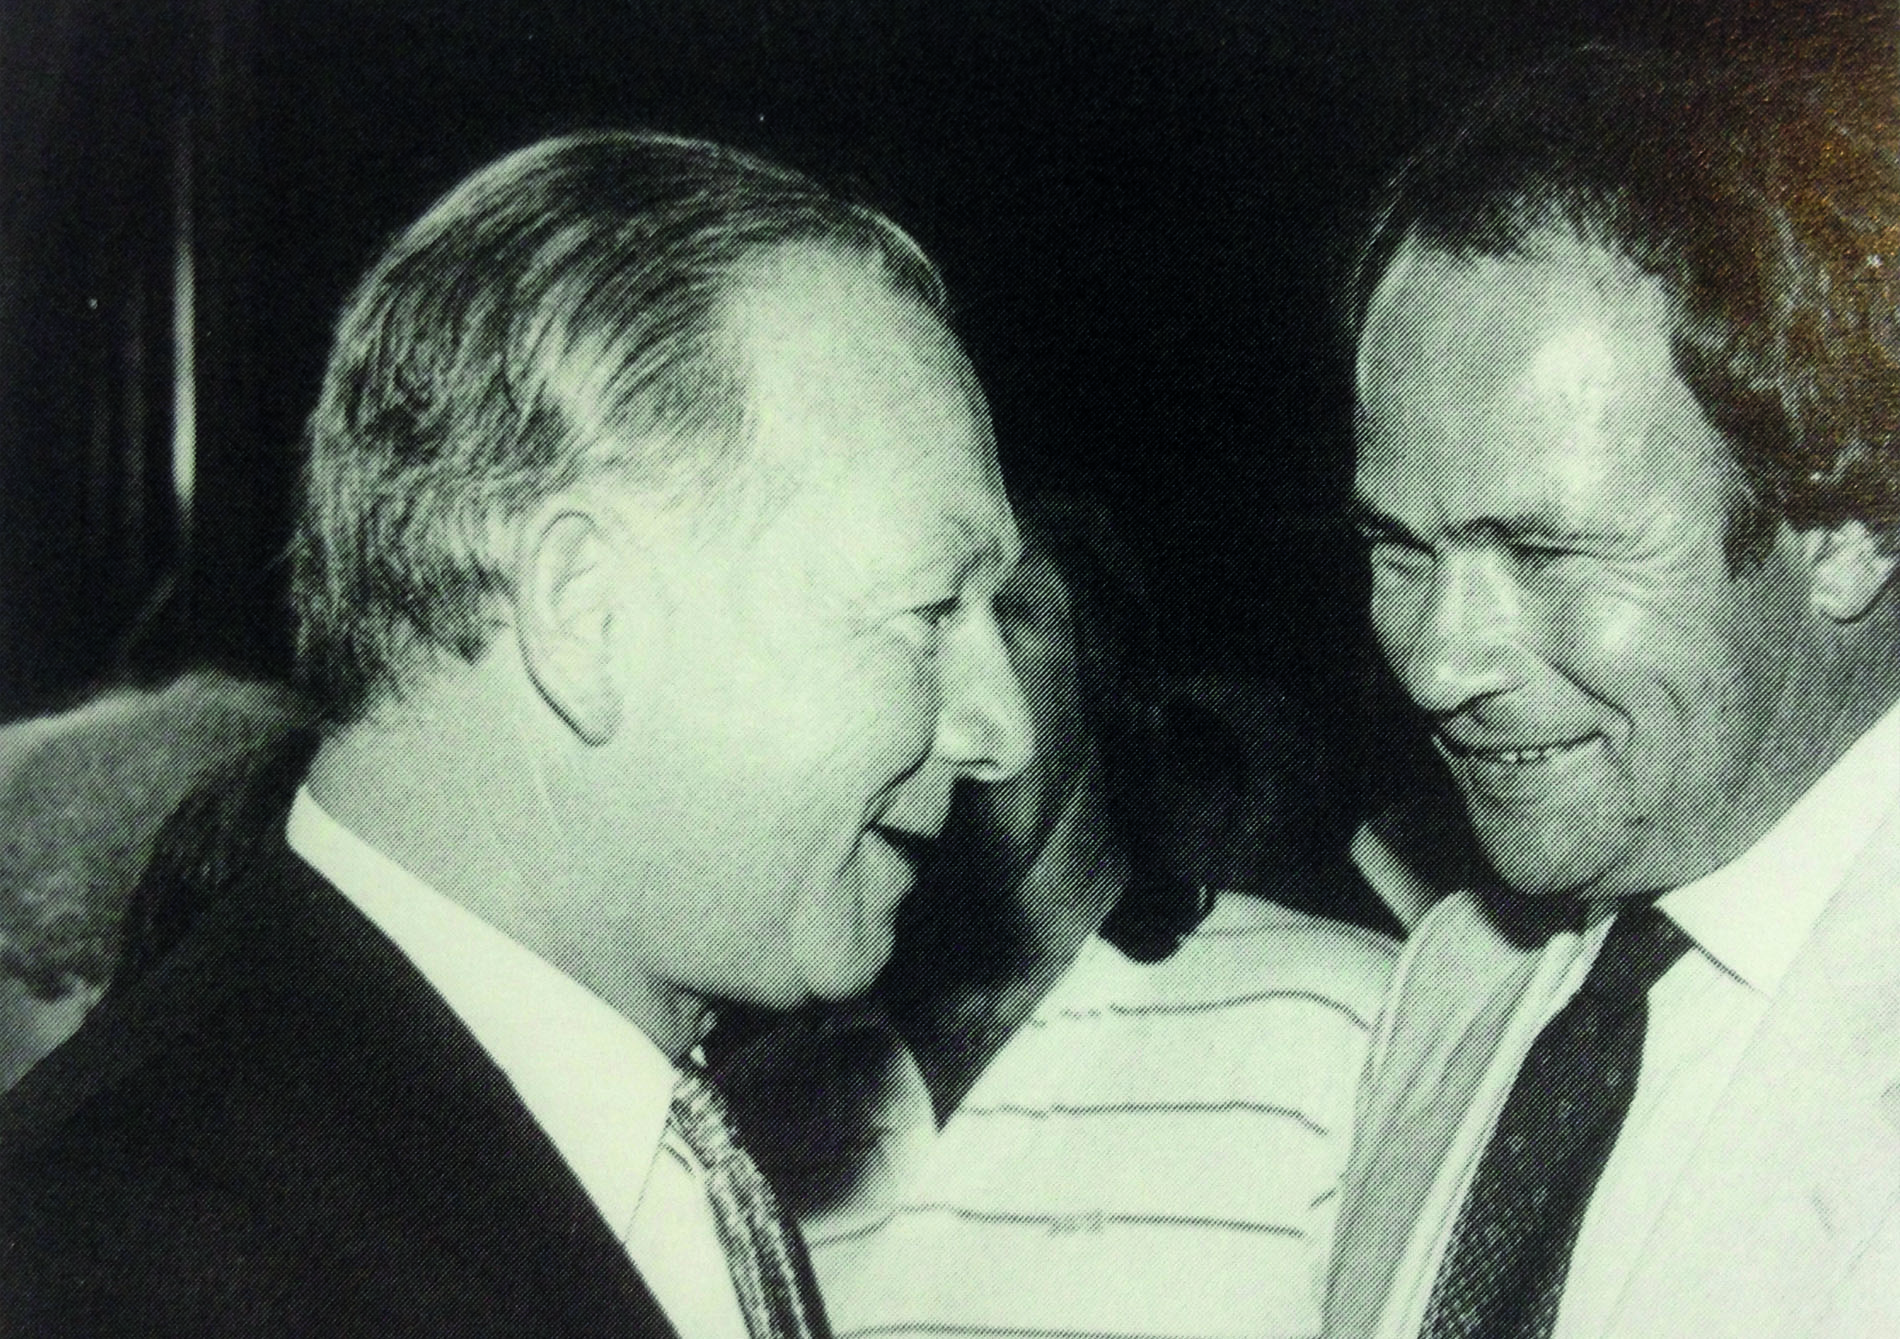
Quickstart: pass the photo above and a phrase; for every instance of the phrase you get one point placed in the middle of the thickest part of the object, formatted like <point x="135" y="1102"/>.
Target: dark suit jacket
<point x="279" y="1128"/>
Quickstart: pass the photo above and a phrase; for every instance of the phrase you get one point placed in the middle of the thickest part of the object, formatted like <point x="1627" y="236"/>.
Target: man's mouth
<point x="915" y="847"/>
<point x="1513" y="753"/>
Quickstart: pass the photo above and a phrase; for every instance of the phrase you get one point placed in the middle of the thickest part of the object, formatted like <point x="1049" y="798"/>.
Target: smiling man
<point x="1628" y="383"/>
<point x="1090" y="1095"/>
<point x="650" y="526"/>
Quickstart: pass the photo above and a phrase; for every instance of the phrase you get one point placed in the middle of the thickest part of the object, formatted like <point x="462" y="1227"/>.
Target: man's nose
<point x="983" y="725"/>
<point x="1453" y="636"/>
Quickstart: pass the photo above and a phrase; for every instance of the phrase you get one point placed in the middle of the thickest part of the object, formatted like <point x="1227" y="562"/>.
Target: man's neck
<point x="445" y="788"/>
<point x="1844" y="700"/>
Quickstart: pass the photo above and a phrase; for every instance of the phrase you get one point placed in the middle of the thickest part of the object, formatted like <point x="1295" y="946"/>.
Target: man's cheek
<point x="840" y="936"/>
<point x="1606" y="631"/>
<point x="1616" y="630"/>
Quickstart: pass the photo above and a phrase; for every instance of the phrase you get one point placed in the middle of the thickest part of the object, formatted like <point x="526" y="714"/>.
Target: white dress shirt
<point x="598" y="1087"/>
<point x="1748" y="921"/>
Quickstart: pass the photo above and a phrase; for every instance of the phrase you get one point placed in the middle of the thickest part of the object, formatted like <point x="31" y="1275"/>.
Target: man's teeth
<point x="1537" y="753"/>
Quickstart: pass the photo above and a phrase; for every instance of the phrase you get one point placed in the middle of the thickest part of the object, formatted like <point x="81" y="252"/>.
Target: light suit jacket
<point x="1784" y="1222"/>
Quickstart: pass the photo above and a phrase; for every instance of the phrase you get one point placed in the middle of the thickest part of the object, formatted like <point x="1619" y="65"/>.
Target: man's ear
<point x="565" y="617"/>
<point x="1848" y="567"/>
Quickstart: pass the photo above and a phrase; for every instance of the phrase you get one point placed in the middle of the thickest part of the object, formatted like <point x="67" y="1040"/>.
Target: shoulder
<point x="86" y="1249"/>
<point x="202" y="1068"/>
<point x="1254" y="982"/>
<point x="1250" y="942"/>
<point x="231" y="1042"/>
<point x="200" y="1157"/>
<point x="151" y="1155"/>
<point x="1262" y="1009"/>
<point x="154" y="1046"/>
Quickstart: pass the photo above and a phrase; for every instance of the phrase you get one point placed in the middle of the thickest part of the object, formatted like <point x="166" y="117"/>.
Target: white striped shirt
<point x="1154" y="1153"/>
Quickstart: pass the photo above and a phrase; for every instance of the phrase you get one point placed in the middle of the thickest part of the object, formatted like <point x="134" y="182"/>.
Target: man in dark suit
<point x="1629" y="470"/>
<point x="650" y="522"/>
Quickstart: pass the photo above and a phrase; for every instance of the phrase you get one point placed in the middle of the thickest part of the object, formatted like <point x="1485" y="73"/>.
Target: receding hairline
<point x="757" y="485"/>
<point x="443" y="416"/>
<point x="1555" y="247"/>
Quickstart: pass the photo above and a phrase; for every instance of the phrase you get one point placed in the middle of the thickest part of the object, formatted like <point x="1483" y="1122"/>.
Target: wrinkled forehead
<point x="1525" y="384"/>
<point x="1554" y="305"/>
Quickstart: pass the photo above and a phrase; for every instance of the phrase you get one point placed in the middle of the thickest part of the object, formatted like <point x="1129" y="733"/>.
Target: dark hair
<point x="560" y="312"/>
<point x="1767" y="205"/>
<point x="1172" y="774"/>
<point x="1116" y="647"/>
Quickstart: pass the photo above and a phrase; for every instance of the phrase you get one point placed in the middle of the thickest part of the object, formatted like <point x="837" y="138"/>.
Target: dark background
<point x="1141" y="206"/>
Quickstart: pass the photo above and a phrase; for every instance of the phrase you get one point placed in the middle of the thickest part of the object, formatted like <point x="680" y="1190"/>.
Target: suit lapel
<point x="1798" y="1169"/>
<point x="471" y="1166"/>
<point x="1456" y="1008"/>
<point x="1801" y="1162"/>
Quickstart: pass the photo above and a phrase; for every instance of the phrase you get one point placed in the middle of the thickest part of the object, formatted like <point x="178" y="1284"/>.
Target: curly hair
<point x="84" y="795"/>
<point x="1766" y="203"/>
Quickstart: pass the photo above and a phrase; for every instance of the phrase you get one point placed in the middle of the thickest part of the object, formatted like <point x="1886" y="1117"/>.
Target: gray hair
<point x="557" y="314"/>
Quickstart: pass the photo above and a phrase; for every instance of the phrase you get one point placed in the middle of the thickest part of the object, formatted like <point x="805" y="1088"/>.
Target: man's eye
<point x="1534" y="556"/>
<point x="924" y="624"/>
<point x="942" y="612"/>
<point x="1391" y="555"/>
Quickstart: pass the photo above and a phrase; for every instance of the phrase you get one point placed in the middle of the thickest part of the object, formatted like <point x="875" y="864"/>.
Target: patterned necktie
<point x="770" y="1271"/>
<point x="1504" y="1270"/>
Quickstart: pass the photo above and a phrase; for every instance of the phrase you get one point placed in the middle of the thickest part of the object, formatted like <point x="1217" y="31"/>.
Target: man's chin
<point x="841" y="960"/>
<point x="1536" y="861"/>
<point x="841" y="937"/>
<point x="849" y="973"/>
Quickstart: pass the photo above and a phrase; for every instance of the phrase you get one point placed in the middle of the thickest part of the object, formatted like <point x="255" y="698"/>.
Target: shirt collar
<point x="1753" y="914"/>
<point x="595" y="1083"/>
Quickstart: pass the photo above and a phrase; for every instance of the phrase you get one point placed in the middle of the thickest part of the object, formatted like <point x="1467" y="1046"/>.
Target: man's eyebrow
<point x="1546" y="525"/>
<point x="960" y="546"/>
<point x="1373" y="523"/>
<point x="990" y="546"/>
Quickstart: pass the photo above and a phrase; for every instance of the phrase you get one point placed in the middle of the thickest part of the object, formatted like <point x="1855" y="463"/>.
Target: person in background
<point x="650" y="523"/>
<point x="83" y="793"/>
<point x="1628" y="379"/>
<point x="1089" y="1095"/>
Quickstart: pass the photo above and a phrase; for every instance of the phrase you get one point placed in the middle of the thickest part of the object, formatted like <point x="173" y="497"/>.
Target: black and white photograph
<point x="950" y="669"/>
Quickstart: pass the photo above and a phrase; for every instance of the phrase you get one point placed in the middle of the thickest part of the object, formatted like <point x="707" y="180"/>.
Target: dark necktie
<point x="1504" y="1270"/>
<point x="770" y="1272"/>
